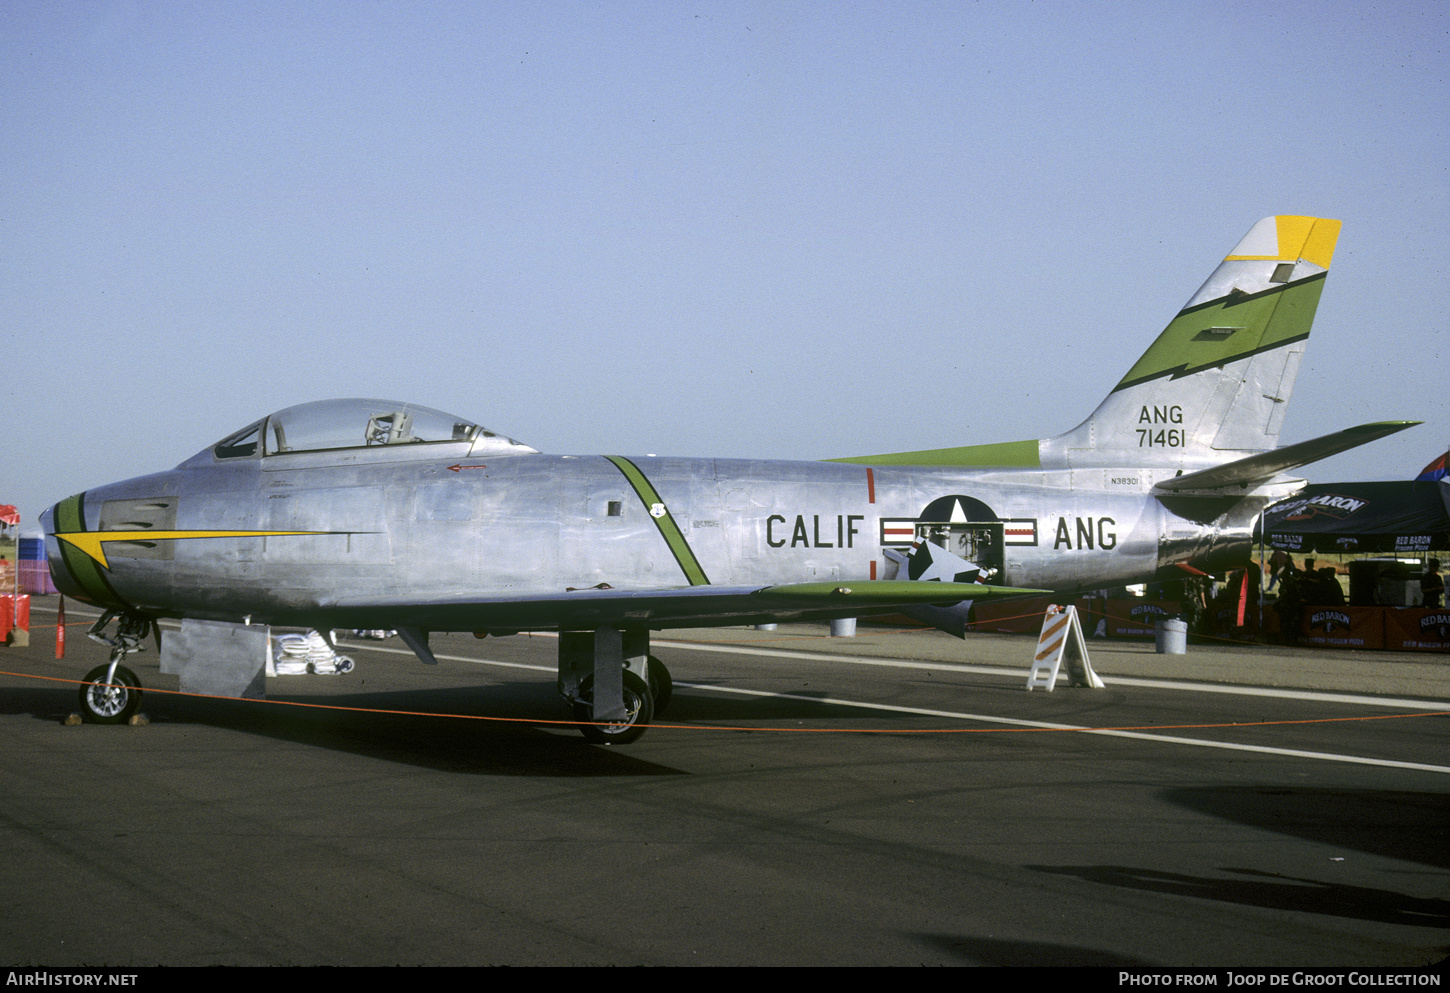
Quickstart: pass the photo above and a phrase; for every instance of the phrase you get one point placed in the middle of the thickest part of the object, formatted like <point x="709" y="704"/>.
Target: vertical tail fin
<point x="1216" y="382"/>
<point x="1214" y="385"/>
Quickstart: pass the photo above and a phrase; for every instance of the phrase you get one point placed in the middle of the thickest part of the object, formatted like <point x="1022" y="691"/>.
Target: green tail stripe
<point x="1267" y="320"/>
<point x="669" y="530"/>
<point x="1010" y="454"/>
<point x="69" y="517"/>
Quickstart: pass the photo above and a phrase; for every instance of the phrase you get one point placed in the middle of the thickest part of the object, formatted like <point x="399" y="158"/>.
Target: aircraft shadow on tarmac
<point x="1411" y="827"/>
<point x="988" y="952"/>
<point x="511" y="745"/>
<point x="507" y="741"/>
<point x="1270" y="891"/>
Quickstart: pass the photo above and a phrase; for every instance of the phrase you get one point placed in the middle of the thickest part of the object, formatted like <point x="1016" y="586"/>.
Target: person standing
<point x="1432" y="585"/>
<point x="1277" y="563"/>
<point x="1290" y="605"/>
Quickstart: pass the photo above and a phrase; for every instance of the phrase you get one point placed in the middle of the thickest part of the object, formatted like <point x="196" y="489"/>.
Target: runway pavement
<point x="893" y="799"/>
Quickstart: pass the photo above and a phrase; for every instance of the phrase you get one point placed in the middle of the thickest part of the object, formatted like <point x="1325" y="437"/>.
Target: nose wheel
<point x="109" y="697"/>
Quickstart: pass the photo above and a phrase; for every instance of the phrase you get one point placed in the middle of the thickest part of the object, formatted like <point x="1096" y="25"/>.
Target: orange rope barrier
<point x="729" y="727"/>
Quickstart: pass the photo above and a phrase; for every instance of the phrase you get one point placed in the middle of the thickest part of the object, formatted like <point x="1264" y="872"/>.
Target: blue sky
<point x="786" y="230"/>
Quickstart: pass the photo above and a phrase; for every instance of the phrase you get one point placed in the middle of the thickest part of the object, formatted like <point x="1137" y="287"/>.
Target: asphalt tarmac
<point x="898" y="798"/>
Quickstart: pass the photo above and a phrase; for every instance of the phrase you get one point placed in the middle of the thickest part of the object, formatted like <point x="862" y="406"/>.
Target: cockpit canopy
<point x="327" y="425"/>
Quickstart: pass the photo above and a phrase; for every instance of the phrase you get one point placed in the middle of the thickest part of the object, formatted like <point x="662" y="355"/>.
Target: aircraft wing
<point x="686" y="606"/>
<point x="1266" y="465"/>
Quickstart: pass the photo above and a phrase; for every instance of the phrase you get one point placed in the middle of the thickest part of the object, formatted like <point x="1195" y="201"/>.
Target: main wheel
<point x="639" y="711"/>
<point x="661" y="686"/>
<point x="110" y="701"/>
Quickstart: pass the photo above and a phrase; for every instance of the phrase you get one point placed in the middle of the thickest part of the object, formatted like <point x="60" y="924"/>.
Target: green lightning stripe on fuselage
<point x="69" y="517"/>
<point x="669" y="530"/>
<point x="1260" y="321"/>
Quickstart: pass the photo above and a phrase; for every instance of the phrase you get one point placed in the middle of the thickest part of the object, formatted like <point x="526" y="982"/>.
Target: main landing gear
<point x="639" y="710"/>
<point x="643" y="690"/>
<point x="110" y="693"/>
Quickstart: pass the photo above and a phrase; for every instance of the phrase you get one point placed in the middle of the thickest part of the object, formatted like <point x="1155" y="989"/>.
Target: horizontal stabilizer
<point x="1266" y="465"/>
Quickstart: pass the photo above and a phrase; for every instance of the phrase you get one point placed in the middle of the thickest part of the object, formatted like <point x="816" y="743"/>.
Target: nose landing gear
<point x="110" y="693"/>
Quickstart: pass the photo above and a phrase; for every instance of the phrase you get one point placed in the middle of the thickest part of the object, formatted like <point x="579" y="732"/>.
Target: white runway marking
<point x="1400" y="703"/>
<point x="1016" y="722"/>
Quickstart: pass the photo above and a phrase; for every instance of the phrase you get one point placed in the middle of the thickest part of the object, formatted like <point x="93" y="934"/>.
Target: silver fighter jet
<point x="380" y="514"/>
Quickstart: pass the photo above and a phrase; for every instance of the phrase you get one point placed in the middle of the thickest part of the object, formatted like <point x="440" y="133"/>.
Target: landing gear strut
<point x="587" y="658"/>
<point x="111" y="693"/>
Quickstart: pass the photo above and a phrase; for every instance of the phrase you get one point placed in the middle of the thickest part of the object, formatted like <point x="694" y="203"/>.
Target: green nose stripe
<point x="69" y="516"/>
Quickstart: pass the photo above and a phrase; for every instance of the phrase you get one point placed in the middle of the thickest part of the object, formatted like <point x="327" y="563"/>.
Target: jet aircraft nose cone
<point x="73" y="570"/>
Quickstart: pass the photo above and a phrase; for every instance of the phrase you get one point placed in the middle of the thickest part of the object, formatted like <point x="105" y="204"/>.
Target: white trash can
<point x="1171" y="636"/>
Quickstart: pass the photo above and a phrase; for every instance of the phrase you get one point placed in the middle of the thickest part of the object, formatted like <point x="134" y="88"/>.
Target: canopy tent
<point x="1436" y="469"/>
<point x="1393" y="517"/>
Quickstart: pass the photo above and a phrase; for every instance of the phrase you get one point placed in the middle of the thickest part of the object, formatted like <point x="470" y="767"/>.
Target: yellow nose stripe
<point x="93" y="542"/>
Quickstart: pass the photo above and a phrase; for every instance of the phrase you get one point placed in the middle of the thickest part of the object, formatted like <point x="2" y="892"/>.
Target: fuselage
<point x="430" y="521"/>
